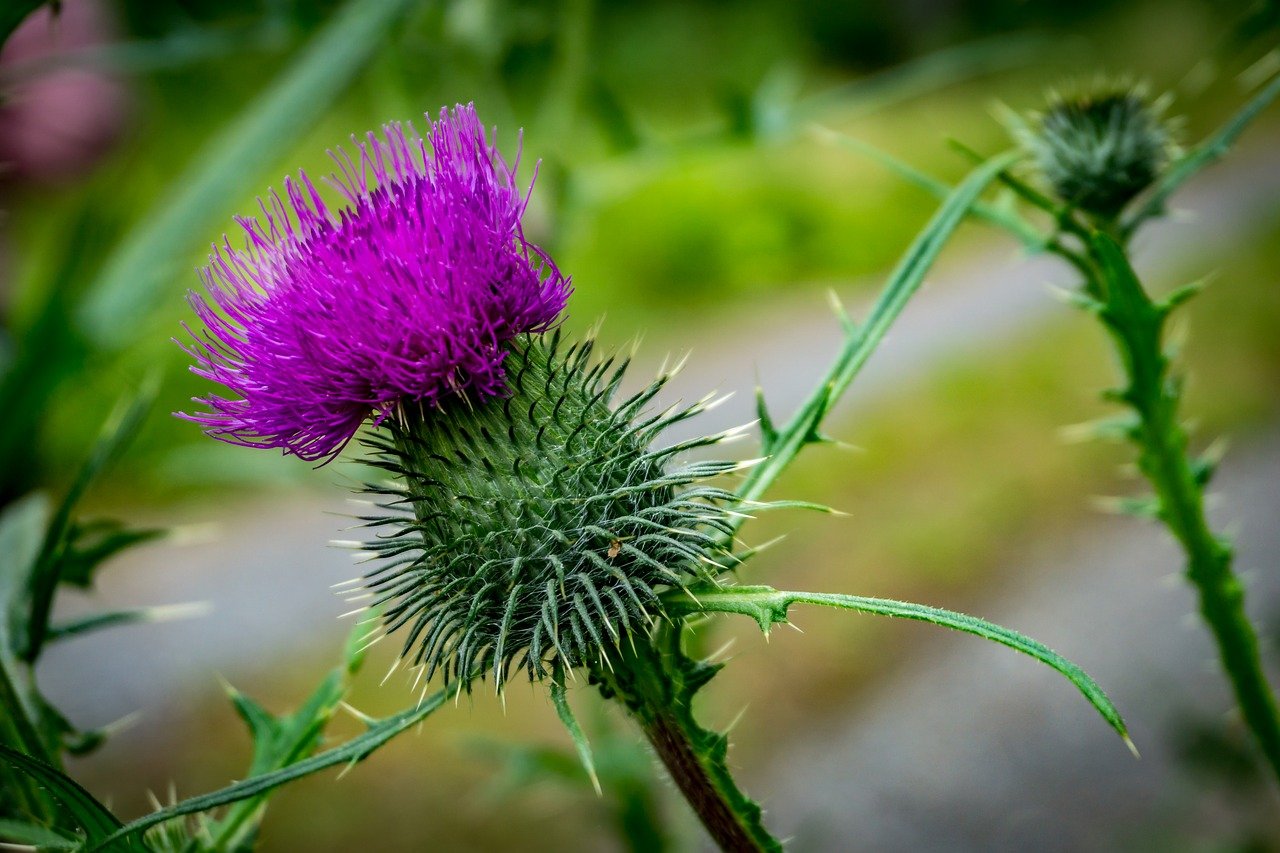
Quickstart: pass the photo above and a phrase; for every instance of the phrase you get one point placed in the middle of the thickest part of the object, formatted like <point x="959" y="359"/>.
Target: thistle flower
<point x="527" y="523"/>
<point x="407" y="294"/>
<point x="1098" y="149"/>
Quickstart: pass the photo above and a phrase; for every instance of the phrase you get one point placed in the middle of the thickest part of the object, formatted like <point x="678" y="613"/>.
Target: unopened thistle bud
<point x="1098" y="149"/>
<point x="529" y="523"/>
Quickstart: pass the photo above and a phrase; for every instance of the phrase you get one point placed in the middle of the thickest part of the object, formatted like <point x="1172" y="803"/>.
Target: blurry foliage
<point x="731" y="212"/>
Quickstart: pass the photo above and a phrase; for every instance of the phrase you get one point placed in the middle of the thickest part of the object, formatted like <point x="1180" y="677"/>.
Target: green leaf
<point x="351" y="752"/>
<point x="115" y="618"/>
<point x="52" y="560"/>
<point x="768" y="433"/>
<point x="1001" y="216"/>
<point x="36" y="835"/>
<point x="22" y="531"/>
<point x="90" y="544"/>
<point x="279" y="742"/>
<point x="140" y="268"/>
<point x="561" y="701"/>
<point x="90" y="816"/>
<point x="769" y="606"/>
<point x="26" y="723"/>
<point x="1207" y="152"/>
<point x="858" y="347"/>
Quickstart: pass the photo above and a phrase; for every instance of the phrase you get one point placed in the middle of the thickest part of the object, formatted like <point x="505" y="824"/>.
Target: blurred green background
<point x="682" y="187"/>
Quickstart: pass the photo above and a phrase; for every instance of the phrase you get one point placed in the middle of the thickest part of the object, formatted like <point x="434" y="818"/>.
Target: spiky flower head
<point x="528" y="523"/>
<point x="407" y="294"/>
<point x="537" y="531"/>
<point x="1097" y="148"/>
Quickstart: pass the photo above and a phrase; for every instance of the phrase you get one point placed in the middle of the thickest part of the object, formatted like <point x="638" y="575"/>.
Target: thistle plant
<point x="1104" y="165"/>
<point x="528" y="522"/>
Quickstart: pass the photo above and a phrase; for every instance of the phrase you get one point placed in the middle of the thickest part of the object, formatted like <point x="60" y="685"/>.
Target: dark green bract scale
<point x="539" y="528"/>
<point x="1098" y="151"/>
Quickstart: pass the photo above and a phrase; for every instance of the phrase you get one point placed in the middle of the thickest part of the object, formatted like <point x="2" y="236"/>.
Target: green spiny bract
<point x="1099" y="149"/>
<point x="537" y="529"/>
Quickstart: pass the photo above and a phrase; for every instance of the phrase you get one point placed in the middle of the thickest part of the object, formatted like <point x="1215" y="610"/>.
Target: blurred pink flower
<point x="55" y="124"/>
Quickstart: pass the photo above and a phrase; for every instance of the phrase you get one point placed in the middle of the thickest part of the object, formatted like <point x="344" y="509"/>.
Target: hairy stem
<point x="1136" y="325"/>
<point x="656" y="682"/>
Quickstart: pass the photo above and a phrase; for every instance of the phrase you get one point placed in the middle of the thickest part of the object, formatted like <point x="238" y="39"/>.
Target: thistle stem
<point x="656" y="682"/>
<point x="1136" y="324"/>
<point x="1221" y="594"/>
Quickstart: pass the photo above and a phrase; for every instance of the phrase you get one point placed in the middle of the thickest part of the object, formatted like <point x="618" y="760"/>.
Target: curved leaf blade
<point x="91" y="816"/>
<point x="351" y="752"/>
<point x="1206" y="153"/>
<point x="769" y="606"/>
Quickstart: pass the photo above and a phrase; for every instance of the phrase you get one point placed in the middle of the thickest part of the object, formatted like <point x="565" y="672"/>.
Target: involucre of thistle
<point x="409" y="293"/>
<point x="536" y="531"/>
<point x="1099" y="149"/>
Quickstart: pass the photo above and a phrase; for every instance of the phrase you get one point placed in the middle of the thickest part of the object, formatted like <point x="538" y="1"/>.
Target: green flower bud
<point x="535" y="531"/>
<point x="1099" y="149"/>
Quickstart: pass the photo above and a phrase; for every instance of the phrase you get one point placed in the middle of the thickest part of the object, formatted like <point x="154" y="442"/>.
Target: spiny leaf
<point x="90" y="544"/>
<point x="351" y="752"/>
<point x="279" y="742"/>
<point x="769" y="606"/>
<point x="768" y="433"/>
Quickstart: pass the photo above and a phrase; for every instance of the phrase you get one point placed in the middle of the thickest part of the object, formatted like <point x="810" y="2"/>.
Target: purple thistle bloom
<point x="408" y="293"/>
